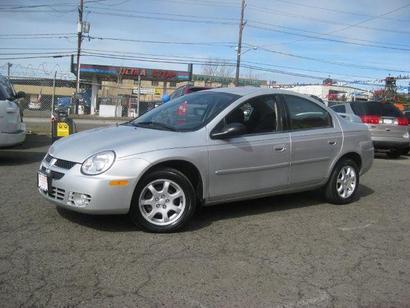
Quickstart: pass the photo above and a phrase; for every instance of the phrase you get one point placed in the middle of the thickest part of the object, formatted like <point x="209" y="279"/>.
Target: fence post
<point x="54" y="93"/>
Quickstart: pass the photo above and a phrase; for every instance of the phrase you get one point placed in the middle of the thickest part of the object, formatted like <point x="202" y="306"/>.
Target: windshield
<point x="186" y="113"/>
<point x="6" y="89"/>
<point x="376" y="108"/>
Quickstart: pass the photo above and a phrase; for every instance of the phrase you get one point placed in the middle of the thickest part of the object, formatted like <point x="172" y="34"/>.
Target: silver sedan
<point x="206" y="148"/>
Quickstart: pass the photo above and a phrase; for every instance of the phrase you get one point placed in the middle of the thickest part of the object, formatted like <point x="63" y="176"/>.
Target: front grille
<point x="65" y="164"/>
<point x="56" y="193"/>
<point x="48" y="158"/>
<point x="56" y="175"/>
<point x="61" y="163"/>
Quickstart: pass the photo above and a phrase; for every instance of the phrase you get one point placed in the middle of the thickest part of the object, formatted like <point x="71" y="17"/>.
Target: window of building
<point x="304" y="114"/>
<point x="172" y="84"/>
<point x="155" y="83"/>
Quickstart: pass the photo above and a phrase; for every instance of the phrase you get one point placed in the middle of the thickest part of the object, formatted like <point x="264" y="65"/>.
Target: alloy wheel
<point x="162" y="202"/>
<point x="346" y="182"/>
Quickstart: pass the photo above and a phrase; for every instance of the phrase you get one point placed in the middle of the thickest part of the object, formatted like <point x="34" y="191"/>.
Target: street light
<point x="249" y="49"/>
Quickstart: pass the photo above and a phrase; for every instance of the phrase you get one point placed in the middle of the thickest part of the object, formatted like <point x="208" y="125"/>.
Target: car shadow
<point x="205" y="216"/>
<point x="26" y="153"/>
<point x="34" y="141"/>
<point x="13" y="158"/>
<point x="384" y="156"/>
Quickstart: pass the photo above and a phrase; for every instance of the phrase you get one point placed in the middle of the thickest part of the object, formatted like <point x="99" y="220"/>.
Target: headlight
<point x="98" y="163"/>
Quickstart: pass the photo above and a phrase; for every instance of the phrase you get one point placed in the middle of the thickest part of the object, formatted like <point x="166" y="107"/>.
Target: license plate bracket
<point x="43" y="181"/>
<point x="387" y="121"/>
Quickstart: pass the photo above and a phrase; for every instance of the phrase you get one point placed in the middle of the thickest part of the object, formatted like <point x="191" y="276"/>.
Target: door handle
<point x="332" y="142"/>
<point x="280" y="149"/>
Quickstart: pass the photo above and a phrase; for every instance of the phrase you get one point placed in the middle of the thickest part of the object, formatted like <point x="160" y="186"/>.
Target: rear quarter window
<point x="6" y="90"/>
<point x="304" y="114"/>
<point x="339" y="108"/>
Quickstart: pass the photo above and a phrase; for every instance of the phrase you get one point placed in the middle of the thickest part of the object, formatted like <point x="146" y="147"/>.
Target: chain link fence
<point x="43" y="94"/>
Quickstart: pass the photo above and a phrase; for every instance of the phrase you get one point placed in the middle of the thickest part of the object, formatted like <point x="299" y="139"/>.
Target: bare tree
<point x="251" y="75"/>
<point x="218" y="68"/>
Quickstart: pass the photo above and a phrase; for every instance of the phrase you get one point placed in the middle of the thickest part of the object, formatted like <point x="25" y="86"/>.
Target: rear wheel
<point x="343" y="182"/>
<point x="394" y="153"/>
<point x="405" y="151"/>
<point x="163" y="201"/>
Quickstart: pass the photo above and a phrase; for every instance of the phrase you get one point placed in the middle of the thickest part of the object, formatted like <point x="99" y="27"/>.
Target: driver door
<point x="256" y="162"/>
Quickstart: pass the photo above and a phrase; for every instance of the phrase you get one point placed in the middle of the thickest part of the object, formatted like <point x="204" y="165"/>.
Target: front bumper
<point x="103" y="197"/>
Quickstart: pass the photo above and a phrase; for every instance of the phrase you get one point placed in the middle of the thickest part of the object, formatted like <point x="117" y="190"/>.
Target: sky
<point x="287" y="41"/>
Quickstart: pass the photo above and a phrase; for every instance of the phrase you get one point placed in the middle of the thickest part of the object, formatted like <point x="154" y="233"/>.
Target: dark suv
<point x="387" y="125"/>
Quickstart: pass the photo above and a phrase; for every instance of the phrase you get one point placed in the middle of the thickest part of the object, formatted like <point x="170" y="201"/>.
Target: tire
<point x="160" y="207"/>
<point x="334" y="188"/>
<point x="405" y="151"/>
<point x="393" y="154"/>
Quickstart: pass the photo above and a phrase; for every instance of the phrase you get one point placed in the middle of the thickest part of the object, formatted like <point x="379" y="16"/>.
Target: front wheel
<point x="343" y="182"/>
<point x="164" y="201"/>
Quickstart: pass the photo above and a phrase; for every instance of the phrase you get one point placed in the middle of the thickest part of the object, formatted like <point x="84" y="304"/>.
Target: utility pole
<point x="238" y="54"/>
<point x="9" y="65"/>
<point x="79" y="40"/>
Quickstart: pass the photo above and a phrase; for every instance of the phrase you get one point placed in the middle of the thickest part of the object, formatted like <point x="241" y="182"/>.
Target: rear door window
<point x="6" y="90"/>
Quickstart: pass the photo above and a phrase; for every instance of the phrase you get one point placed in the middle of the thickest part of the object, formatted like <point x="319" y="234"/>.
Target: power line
<point x="193" y="20"/>
<point x="36" y="57"/>
<point x="253" y="67"/>
<point x="255" y="26"/>
<point x="212" y="44"/>
<point x="231" y="44"/>
<point x="34" y="34"/>
<point x="196" y="19"/>
<point x="344" y="64"/>
<point x="332" y="22"/>
<point x="208" y="59"/>
<point x="110" y="10"/>
<point x="338" y="10"/>
<point x="361" y="22"/>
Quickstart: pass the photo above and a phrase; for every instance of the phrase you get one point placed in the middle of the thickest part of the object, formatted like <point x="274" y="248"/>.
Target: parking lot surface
<point x="285" y="251"/>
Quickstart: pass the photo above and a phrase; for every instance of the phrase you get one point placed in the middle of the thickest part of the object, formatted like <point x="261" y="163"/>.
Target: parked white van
<point x="12" y="128"/>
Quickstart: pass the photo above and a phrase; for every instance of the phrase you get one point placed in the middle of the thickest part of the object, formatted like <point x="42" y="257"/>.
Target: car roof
<point x="243" y="91"/>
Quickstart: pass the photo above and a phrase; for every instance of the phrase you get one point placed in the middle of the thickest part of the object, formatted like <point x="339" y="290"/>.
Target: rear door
<point x="316" y="140"/>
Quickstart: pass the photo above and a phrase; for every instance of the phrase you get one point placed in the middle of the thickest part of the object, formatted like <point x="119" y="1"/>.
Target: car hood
<point x="124" y="140"/>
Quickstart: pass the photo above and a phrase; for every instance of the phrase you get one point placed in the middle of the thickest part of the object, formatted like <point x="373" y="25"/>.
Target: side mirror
<point x="20" y="94"/>
<point x="229" y="131"/>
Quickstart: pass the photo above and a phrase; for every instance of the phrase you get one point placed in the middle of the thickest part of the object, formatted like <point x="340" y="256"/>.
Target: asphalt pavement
<point x="284" y="251"/>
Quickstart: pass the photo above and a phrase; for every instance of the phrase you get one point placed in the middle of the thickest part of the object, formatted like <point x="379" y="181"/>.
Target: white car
<point x="34" y="105"/>
<point x="12" y="129"/>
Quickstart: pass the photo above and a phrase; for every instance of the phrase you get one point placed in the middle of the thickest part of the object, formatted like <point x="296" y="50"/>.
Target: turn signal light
<point x="370" y="119"/>
<point x="119" y="183"/>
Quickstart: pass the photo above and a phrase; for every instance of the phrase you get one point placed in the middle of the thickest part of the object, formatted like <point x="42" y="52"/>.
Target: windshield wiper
<point x="155" y="124"/>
